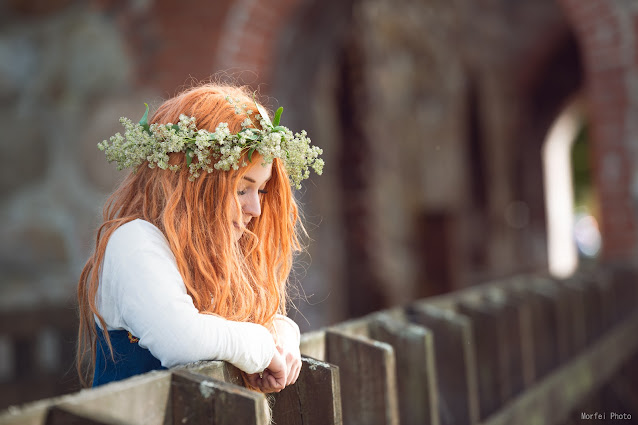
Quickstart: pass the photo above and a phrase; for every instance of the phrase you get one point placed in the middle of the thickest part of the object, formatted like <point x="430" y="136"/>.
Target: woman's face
<point x="250" y="190"/>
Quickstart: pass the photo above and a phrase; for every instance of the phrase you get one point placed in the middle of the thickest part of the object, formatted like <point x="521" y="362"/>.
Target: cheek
<point x="234" y="209"/>
<point x="239" y="207"/>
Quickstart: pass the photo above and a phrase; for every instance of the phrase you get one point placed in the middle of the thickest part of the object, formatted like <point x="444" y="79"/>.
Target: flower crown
<point x="143" y="142"/>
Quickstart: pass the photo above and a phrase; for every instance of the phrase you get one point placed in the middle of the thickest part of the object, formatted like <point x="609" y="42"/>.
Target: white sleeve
<point x="142" y="291"/>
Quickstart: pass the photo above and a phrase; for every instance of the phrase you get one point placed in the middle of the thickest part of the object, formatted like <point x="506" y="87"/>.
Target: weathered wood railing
<point x="527" y="350"/>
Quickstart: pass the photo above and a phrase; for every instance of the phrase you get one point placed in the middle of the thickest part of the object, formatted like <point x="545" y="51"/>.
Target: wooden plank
<point x="357" y="327"/>
<point x="214" y="369"/>
<point x="526" y="314"/>
<point x="416" y="373"/>
<point x="604" y="287"/>
<point x="490" y="358"/>
<point x="540" y="324"/>
<point x="315" y="399"/>
<point x="313" y="344"/>
<point x="368" y="378"/>
<point x="624" y="387"/>
<point x="544" y="329"/>
<point x="59" y="416"/>
<point x="574" y="295"/>
<point x="196" y="399"/>
<point x="42" y="386"/>
<point x="511" y="380"/>
<point x="558" y="296"/>
<point x="618" y="301"/>
<point x="625" y="282"/>
<point x="140" y="399"/>
<point x="593" y="309"/>
<point x="551" y="400"/>
<point x="455" y="362"/>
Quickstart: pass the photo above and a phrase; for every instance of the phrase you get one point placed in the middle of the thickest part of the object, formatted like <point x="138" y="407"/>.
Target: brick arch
<point x="606" y="33"/>
<point x="249" y="37"/>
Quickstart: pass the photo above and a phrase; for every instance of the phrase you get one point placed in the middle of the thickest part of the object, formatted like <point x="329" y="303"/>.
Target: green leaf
<point x="175" y="127"/>
<point x="250" y="154"/>
<point x="144" y="120"/>
<point x="189" y="157"/>
<point x="280" y="110"/>
<point x="279" y="129"/>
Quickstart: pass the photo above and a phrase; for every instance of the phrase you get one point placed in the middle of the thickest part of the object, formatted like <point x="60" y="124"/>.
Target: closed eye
<point x="243" y="192"/>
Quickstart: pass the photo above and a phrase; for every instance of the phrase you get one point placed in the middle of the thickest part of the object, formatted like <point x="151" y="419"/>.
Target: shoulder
<point x="137" y="230"/>
<point x="135" y="236"/>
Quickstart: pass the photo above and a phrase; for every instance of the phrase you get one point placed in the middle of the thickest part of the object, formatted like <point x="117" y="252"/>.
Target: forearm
<point x="248" y="346"/>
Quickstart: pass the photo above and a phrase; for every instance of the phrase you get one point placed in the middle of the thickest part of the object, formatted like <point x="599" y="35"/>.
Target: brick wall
<point x="607" y="34"/>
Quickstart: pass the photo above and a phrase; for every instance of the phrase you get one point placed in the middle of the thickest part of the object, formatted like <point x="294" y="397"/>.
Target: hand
<point x="273" y="379"/>
<point x="286" y="335"/>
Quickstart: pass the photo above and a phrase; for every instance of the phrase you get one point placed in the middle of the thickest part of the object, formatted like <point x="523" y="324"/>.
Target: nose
<point x="251" y="206"/>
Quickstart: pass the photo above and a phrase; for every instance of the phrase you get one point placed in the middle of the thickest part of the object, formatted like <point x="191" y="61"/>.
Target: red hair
<point x="247" y="278"/>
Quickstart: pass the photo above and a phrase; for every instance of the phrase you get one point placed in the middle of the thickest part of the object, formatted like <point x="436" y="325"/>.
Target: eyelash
<point x="260" y="191"/>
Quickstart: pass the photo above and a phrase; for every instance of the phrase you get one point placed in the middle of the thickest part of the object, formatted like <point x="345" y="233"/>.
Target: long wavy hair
<point x="244" y="280"/>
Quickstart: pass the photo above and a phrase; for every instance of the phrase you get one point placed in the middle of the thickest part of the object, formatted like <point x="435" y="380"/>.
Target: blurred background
<point x="464" y="141"/>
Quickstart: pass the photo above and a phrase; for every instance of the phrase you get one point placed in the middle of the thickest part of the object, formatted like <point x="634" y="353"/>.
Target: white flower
<point x="221" y="148"/>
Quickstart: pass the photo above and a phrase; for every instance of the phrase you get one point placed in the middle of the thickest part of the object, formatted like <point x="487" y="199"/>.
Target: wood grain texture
<point x="368" y="378"/>
<point x="315" y="399"/>
<point x="196" y="399"/>
<point x="60" y="416"/>
<point x="455" y="363"/>
<point x="416" y="372"/>
<point x="551" y="400"/>
<point x="221" y="371"/>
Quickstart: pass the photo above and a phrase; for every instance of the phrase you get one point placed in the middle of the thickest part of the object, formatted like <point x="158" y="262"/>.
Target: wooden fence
<point x="526" y="350"/>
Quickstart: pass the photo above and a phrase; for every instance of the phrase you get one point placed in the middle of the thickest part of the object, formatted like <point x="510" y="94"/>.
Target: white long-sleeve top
<point x="141" y="291"/>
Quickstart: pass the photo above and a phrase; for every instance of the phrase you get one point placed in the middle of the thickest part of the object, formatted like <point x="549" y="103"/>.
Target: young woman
<point x="192" y="260"/>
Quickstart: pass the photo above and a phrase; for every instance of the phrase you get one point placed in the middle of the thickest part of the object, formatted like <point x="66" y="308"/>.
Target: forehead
<point x="258" y="173"/>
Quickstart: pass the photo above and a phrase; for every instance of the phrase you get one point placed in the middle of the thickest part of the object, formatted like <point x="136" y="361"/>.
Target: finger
<point x="280" y="373"/>
<point x="253" y="379"/>
<point x="261" y="384"/>
<point x="278" y="367"/>
<point x="294" y="373"/>
<point x="271" y="381"/>
<point x="274" y="383"/>
<point x="290" y="367"/>
<point x="277" y="380"/>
